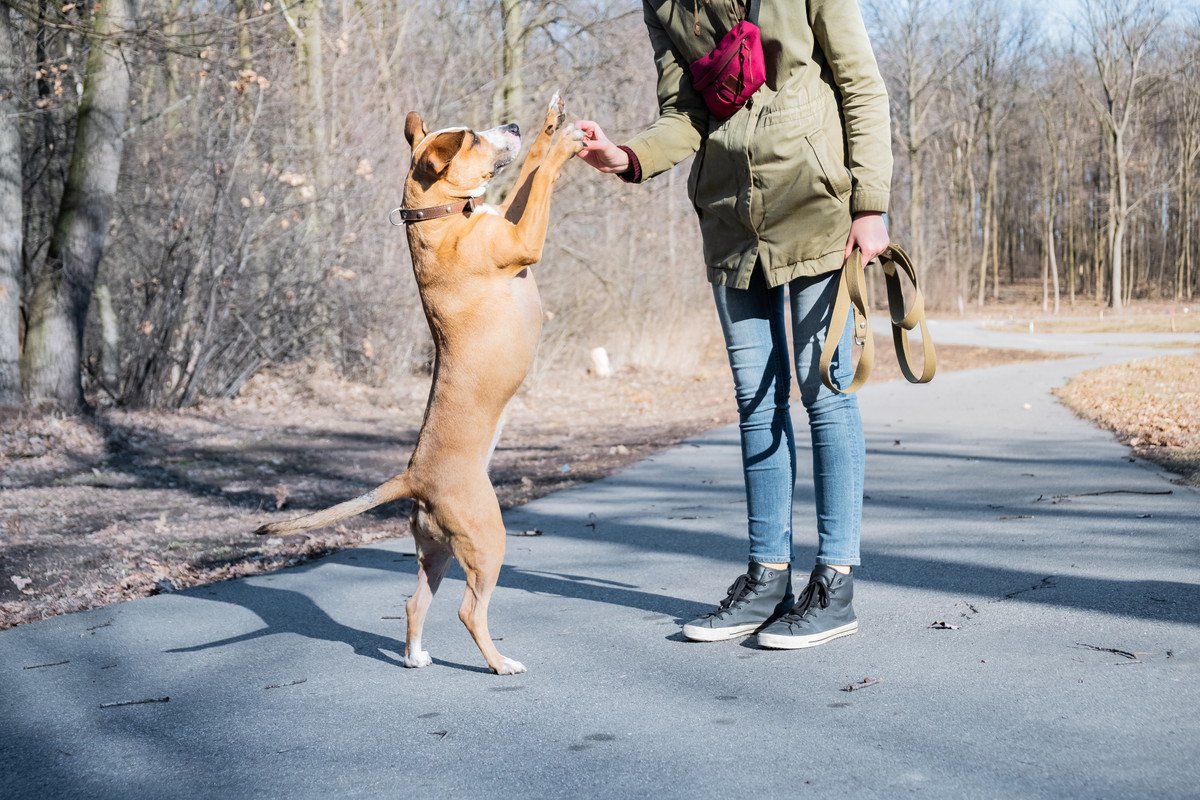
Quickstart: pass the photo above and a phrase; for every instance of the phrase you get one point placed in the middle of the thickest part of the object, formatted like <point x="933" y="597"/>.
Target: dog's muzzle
<point x="507" y="141"/>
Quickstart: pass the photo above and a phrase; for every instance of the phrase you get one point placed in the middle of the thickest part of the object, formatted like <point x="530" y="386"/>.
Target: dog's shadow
<point x="290" y="611"/>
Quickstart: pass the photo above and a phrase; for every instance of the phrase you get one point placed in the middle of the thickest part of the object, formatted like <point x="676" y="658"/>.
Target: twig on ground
<point x="1048" y="582"/>
<point x="39" y="666"/>
<point x="1058" y="498"/>
<point x="296" y="682"/>
<point x="136" y="702"/>
<point x="1123" y="653"/>
<point x="863" y="684"/>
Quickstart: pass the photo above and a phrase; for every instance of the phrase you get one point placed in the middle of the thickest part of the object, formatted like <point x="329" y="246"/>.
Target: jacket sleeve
<point x="842" y="36"/>
<point x="682" y="116"/>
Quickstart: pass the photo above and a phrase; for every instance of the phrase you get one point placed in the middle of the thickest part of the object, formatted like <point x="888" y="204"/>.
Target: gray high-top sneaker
<point x="754" y="600"/>
<point x="823" y="612"/>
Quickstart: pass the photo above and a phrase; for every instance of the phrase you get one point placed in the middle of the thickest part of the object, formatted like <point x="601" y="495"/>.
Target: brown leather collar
<point x="408" y="216"/>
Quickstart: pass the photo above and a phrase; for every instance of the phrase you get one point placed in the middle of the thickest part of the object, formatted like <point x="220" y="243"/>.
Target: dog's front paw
<point x="509" y="667"/>
<point x="418" y="659"/>
<point x="569" y="141"/>
<point x="555" y="114"/>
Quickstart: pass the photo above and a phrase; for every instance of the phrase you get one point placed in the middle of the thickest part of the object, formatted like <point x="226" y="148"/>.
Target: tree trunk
<point x="1183" y="264"/>
<point x="507" y="97"/>
<point x="916" y="189"/>
<point x="1118" y="216"/>
<point x="110" y="338"/>
<point x="63" y="290"/>
<point x="506" y="103"/>
<point x="11" y="220"/>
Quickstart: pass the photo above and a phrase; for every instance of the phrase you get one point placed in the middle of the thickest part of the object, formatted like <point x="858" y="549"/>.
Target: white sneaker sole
<point x="699" y="634"/>
<point x="776" y="641"/>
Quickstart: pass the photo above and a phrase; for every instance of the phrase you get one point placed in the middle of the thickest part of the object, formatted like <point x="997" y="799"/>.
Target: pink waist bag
<point x="733" y="71"/>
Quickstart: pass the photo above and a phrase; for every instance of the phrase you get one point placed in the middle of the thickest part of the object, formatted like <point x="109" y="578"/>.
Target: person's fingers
<point x="591" y="131"/>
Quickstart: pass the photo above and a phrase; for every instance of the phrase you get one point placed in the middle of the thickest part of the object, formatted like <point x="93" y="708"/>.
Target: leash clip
<point x="860" y="329"/>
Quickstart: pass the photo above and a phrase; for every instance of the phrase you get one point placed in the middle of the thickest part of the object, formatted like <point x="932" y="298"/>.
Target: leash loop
<point x="852" y="294"/>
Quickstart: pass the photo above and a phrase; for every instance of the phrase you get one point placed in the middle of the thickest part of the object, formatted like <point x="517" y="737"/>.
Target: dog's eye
<point x="474" y="139"/>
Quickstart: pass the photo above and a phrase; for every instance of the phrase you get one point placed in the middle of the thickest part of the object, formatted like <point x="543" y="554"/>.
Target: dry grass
<point x="134" y="503"/>
<point x="1153" y="406"/>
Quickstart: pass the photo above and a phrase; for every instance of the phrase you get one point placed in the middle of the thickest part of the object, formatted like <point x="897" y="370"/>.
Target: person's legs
<point x="838" y="446"/>
<point x="754" y="325"/>
<point x="824" y="611"/>
<point x="753" y="322"/>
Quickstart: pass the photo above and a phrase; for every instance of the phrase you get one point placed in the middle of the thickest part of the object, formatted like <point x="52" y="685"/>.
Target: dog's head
<point x="460" y="159"/>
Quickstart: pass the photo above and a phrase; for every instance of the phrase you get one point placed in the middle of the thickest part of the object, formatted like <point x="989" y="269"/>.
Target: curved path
<point x="1069" y="569"/>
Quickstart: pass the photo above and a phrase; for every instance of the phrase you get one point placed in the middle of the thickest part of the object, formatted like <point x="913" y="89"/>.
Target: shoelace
<point x="743" y="586"/>
<point x="816" y="590"/>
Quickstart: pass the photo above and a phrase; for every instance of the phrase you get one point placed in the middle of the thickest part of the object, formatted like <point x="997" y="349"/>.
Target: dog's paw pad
<point x="417" y="660"/>
<point x="510" y="667"/>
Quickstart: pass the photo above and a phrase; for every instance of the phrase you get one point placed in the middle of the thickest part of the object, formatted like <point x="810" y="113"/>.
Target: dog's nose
<point x="512" y="128"/>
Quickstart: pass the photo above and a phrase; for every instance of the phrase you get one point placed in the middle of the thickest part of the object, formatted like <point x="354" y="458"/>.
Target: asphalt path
<point x="1065" y="572"/>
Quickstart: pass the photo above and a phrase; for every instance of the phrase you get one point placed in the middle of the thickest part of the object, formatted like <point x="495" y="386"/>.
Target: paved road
<point x="990" y="507"/>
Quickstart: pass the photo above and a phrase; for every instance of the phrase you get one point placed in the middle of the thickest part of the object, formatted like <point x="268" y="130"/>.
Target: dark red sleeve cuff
<point x="634" y="173"/>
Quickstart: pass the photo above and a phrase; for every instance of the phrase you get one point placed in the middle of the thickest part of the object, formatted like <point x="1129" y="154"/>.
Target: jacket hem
<point x="777" y="274"/>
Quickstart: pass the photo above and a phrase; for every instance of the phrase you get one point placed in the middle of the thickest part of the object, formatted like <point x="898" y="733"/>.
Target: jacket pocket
<point x="837" y="177"/>
<point x="801" y="189"/>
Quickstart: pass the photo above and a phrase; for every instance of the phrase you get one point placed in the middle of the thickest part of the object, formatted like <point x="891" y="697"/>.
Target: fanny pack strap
<point x="749" y="13"/>
<point x="851" y="294"/>
<point x="752" y="11"/>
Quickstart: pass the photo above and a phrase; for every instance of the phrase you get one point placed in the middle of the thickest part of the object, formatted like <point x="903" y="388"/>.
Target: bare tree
<point x="63" y="290"/>
<point x="1117" y="35"/>
<point x="920" y="64"/>
<point x="11" y="212"/>
<point x="1184" y="92"/>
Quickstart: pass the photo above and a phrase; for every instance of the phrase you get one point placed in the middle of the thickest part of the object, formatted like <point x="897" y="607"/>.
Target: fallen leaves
<point x="1153" y="405"/>
<point x="942" y="625"/>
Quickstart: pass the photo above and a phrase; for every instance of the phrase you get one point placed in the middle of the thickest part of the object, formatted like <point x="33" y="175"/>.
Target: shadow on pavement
<point x="289" y="611"/>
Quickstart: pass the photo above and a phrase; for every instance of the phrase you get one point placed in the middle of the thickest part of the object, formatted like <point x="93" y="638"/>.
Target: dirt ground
<point x="1152" y="406"/>
<point x="132" y="503"/>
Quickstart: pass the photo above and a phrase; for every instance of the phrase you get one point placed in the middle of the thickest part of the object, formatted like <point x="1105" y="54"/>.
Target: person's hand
<point x="598" y="151"/>
<point x="869" y="233"/>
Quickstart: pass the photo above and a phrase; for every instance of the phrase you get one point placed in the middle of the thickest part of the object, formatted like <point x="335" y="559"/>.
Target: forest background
<point x="191" y="192"/>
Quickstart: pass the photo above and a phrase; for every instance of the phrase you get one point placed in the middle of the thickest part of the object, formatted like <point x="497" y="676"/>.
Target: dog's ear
<point x="441" y="151"/>
<point x="414" y="128"/>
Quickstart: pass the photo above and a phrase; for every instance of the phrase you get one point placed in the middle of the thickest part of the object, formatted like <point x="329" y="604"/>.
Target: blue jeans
<point x="753" y="322"/>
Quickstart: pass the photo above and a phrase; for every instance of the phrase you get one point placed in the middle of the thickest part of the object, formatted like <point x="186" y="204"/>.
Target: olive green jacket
<point x="779" y="180"/>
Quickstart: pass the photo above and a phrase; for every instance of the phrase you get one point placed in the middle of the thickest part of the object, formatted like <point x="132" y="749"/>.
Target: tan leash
<point x="852" y="294"/>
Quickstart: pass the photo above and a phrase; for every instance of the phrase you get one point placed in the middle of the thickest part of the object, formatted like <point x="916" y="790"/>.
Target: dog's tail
<point x="392" y="489"/>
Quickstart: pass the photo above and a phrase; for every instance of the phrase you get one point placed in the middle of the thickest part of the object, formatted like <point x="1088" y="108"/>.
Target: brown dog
<point x="472" y="268"/>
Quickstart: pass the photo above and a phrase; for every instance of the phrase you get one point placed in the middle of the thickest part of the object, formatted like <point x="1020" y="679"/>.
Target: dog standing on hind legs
<point x="472" y="268"/>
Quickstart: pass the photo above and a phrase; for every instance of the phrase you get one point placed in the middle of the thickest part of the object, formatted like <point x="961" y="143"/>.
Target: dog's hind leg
<point x="433" y="557"/>
<point x="482" y="574"/>
<point x="480" y="550"/>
